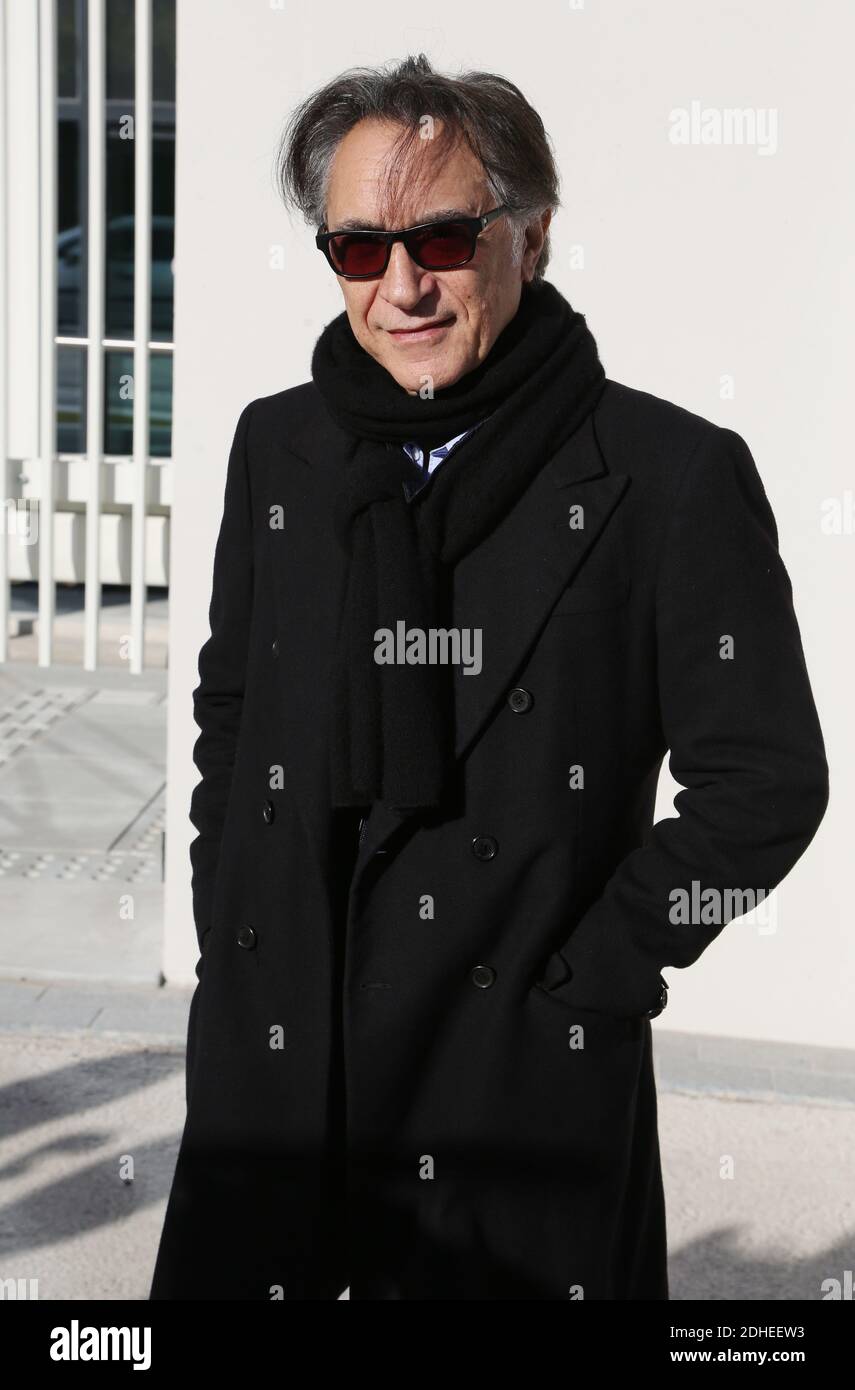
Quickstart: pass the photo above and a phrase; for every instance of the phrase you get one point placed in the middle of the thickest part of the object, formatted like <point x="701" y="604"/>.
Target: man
<point x="467" y="594"/>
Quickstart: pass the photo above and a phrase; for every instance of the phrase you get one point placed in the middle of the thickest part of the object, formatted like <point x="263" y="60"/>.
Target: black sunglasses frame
<point x="474" y="226"/>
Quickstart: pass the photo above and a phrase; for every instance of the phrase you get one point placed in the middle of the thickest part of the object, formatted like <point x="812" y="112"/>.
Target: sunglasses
<point x="440" y="245"/>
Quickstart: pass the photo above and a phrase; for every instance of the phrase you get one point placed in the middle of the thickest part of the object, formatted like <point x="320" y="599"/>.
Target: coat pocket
<point x="594" y="1023"/>
<point x="555" y="976"/>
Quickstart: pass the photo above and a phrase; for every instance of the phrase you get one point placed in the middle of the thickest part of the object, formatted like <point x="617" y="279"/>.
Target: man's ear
<point x="535" y="235"/>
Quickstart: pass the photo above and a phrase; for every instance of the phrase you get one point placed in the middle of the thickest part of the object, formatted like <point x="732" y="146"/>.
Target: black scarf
<point x="393" y="725"/>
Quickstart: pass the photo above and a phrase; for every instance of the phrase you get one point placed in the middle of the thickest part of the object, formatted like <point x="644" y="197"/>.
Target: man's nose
<point x="404" y="281"/>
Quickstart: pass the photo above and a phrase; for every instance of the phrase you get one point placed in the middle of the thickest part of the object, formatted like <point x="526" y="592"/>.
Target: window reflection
<point x="71" y="182"/>
<point x="119" y="406"/>
<point x="71" y="400"/>
<point x="72" y="239"/>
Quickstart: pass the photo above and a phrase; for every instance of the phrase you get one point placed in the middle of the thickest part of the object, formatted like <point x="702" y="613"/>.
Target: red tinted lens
<point x="446" y="245"/>
<point x="354" y="254"/>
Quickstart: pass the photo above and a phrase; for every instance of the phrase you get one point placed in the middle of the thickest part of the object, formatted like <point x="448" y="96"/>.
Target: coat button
<point x="268" y="811"/>
<point x="483" y="976"/>
<point x="247" y="938"/>
<point x="485" y="847"/>
<point x="275" y="646"/>
<point x="520" y="700"/>
<point x="662" y="1001"/>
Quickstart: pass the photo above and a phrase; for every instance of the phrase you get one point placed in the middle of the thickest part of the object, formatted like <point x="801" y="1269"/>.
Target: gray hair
<point x="488" y="112"/>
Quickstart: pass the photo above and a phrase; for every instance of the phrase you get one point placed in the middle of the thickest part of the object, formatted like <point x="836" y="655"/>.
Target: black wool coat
<point x="419" y="1052"/>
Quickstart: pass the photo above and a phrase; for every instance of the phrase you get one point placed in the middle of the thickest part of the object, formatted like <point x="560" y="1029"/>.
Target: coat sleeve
<point x="218" y="698"/>
<point x="740" y="722"/>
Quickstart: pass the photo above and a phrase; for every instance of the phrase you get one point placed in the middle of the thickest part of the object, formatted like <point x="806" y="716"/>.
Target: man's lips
<point x="423" y="329"/>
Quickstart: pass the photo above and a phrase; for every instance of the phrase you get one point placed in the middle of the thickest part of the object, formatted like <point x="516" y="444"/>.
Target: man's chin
<point x="425" y="375"/>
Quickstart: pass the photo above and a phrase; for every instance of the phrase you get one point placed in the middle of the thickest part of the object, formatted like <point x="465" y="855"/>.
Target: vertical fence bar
<point x="47" y="320"/>
<point x="5" y="499"/>
<point x="142" y="319"/>
<point x="97" y="70"/>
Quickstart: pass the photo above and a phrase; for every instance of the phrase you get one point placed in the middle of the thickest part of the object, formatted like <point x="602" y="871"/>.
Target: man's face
<point x="390" y="314"/>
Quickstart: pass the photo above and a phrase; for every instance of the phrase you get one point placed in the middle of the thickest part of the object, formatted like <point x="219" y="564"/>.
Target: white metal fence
<point x="84" y="516"/>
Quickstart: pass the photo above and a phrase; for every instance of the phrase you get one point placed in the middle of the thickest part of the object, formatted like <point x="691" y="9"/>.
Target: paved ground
<point x="80" y="1113"/>
<point x="92" y="1060"/>
<point x="82" y="778"/>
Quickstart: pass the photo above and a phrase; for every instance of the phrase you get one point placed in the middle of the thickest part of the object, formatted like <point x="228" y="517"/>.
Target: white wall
<point x="699" y="261"/>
